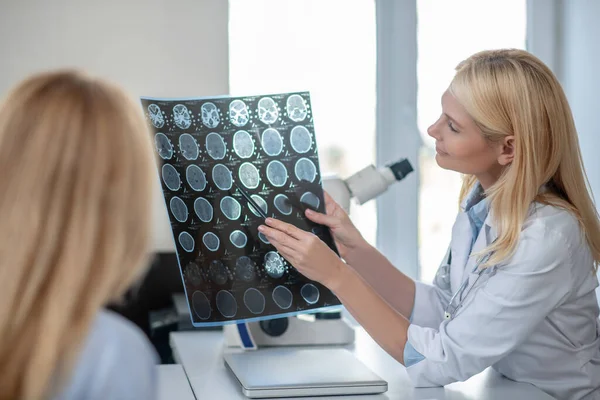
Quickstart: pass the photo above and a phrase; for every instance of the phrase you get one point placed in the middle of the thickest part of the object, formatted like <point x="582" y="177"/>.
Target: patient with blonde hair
<point x="77" y="170"/>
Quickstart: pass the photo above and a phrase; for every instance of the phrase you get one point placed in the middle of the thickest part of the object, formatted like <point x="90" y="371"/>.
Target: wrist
<point x="357" y="254"/>
<point x="341" y="278"/>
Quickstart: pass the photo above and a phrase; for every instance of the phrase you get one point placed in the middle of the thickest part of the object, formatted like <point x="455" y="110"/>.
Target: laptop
<point x="295" y="372"/>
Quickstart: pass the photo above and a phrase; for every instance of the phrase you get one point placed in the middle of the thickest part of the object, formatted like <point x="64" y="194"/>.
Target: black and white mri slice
<point x="218" y="272"/>
<point x="222" y="177"/>
<point x="156" y="116"/>
<point x="171" y="177"/>
<point x="305" y="170"/>
<point x="283" y="297"/>
<point x="274" y="264"/>
<point x="195" y="177"/>
<point x="277" y="173"/>
<point x="211" y="241"/>
<point x="272" y="143"/>
<point x="267" y="110"/>
<point x="178" y="209"/>
<point x="182" y="116"/>
<point x="244" y="268"/>
<point x="203" y="209"/>
<point x="210" y="115"/>
<point x="231" y="208"/>
<point x="249" y="175"/>
<point x="188" y="146"/>
<point x="238" y="239"/>
<point x="187" y="241"/>
<point x="300" y="139"/>
<point x="259" y="202"/>
<point x="215" y="146"/>
<point x="254" y="301"/>
<point x="238" y="113"/>
<point x="226" y="304"/>
<point x="282" y="203"/>
<point x="310" y="199"/>
<point x="243" y="145"/>
<point x="263" y="238"/>
<point x="296" y="108"/>
<point x="164" y="147"/>
<point x="201" y="305"/>
<point x="310" y="293"/>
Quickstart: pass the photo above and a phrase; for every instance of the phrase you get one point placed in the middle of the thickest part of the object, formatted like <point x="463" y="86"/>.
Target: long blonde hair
<point x="76" y="173"/>
<point x="511" y="92"/>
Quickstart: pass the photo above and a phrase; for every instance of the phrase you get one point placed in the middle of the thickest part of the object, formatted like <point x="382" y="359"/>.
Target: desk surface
<point x="173" y="384"/>
<point x="201" y="355"/>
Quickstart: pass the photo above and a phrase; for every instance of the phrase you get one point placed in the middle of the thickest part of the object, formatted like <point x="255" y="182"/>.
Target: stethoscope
<point x="443" y="281"/>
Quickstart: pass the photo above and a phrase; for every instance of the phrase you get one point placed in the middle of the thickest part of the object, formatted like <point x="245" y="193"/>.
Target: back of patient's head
<point x="76" y="174"/>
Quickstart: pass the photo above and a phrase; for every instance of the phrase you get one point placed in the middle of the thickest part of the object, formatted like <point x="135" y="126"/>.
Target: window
<point x="448" y="32"/>
<point x="327" y="48"/>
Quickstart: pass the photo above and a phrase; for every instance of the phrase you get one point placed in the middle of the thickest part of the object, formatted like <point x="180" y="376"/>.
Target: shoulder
<point x="554" y="225"/>
<point x="116" y="359"/>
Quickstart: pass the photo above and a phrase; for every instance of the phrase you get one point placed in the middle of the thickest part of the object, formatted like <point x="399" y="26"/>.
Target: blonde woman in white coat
<point x="517" y="289"/>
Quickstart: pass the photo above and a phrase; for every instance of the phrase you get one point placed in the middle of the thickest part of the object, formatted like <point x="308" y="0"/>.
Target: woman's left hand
<point x="305" y="251"/>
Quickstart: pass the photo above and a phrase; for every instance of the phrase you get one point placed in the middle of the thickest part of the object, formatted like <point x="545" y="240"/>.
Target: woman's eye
<point x="451" y="127"/>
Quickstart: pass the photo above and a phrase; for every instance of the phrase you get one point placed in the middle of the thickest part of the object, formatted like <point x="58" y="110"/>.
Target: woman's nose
<point x="433" y="130"/>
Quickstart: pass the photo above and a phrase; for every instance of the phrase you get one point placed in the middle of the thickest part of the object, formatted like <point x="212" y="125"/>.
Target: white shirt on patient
<point x="117" y="362"/>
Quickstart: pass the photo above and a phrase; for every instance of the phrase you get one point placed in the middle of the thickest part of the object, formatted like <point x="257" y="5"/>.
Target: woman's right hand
<point x="347" y="238"/>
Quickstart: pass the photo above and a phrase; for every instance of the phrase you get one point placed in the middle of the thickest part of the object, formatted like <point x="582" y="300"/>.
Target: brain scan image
<point x="283" y="297"/>
<point x="259" y="202"/>
<point x="226" y="304"/>
<point x="282" y="203"/>
<point x="188" y="147"/>
<point x="210" y="115"/>
<point x="268" y="111"/>
<point x="203" y="209"/>
<point x="300" y="139"/>
<point x="274" y="264"/>
<point x="254" y="301"/>
<point x="215" y="146"/>
<point x="277" y="173"/>
<point x="195" y="177"/>
<point x="156" y="117"/>
<point x="222" y="177"/>
<point x="310" y="293"/>
<point x="211" y="241"/>
<point x="218" y="272"/>
<point x="163" y="146"/>
<point x="186" y="241"/>
<point x="181" y="116"/>
<point x="231" y="208"/>
<point x="201" y="305"/>
<point x="171" y="177"/>
<point x="310" y="199"/>
<point x="305" y="170"/>
<point x="238" y="113"/>
<point x="238" y="239"/>
<point x="272" y="143"/>
<point x="296" y="108"/>
<point x="244" y="268"/>
<point x="225" y="163"/>
<point x="178" y="209"/>
<point x="249" y="175"/>
<point x="243" y="145"/>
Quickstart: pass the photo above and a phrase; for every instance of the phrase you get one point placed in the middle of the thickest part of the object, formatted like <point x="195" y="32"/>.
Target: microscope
<point x="322" y="328"/>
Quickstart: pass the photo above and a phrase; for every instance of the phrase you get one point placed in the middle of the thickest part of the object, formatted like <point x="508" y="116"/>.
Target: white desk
<point x="201" y="355"/>
<point x="173" y="384"/>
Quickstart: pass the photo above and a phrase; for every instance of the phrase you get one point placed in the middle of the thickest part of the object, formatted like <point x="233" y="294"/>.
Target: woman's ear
<point x="507" y="151"/>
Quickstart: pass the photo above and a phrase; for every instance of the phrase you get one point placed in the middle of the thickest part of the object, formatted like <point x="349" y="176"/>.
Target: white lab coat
<point x="533" y="318"/>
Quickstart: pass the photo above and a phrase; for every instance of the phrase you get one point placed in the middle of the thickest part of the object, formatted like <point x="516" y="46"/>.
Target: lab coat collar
<point x="489" y="225"/>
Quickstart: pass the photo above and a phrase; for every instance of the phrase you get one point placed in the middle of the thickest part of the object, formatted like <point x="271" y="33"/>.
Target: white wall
<point x="151" y="47"/>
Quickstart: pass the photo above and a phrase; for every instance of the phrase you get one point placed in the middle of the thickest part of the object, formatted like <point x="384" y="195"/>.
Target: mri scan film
<point x="224" y="163"/>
